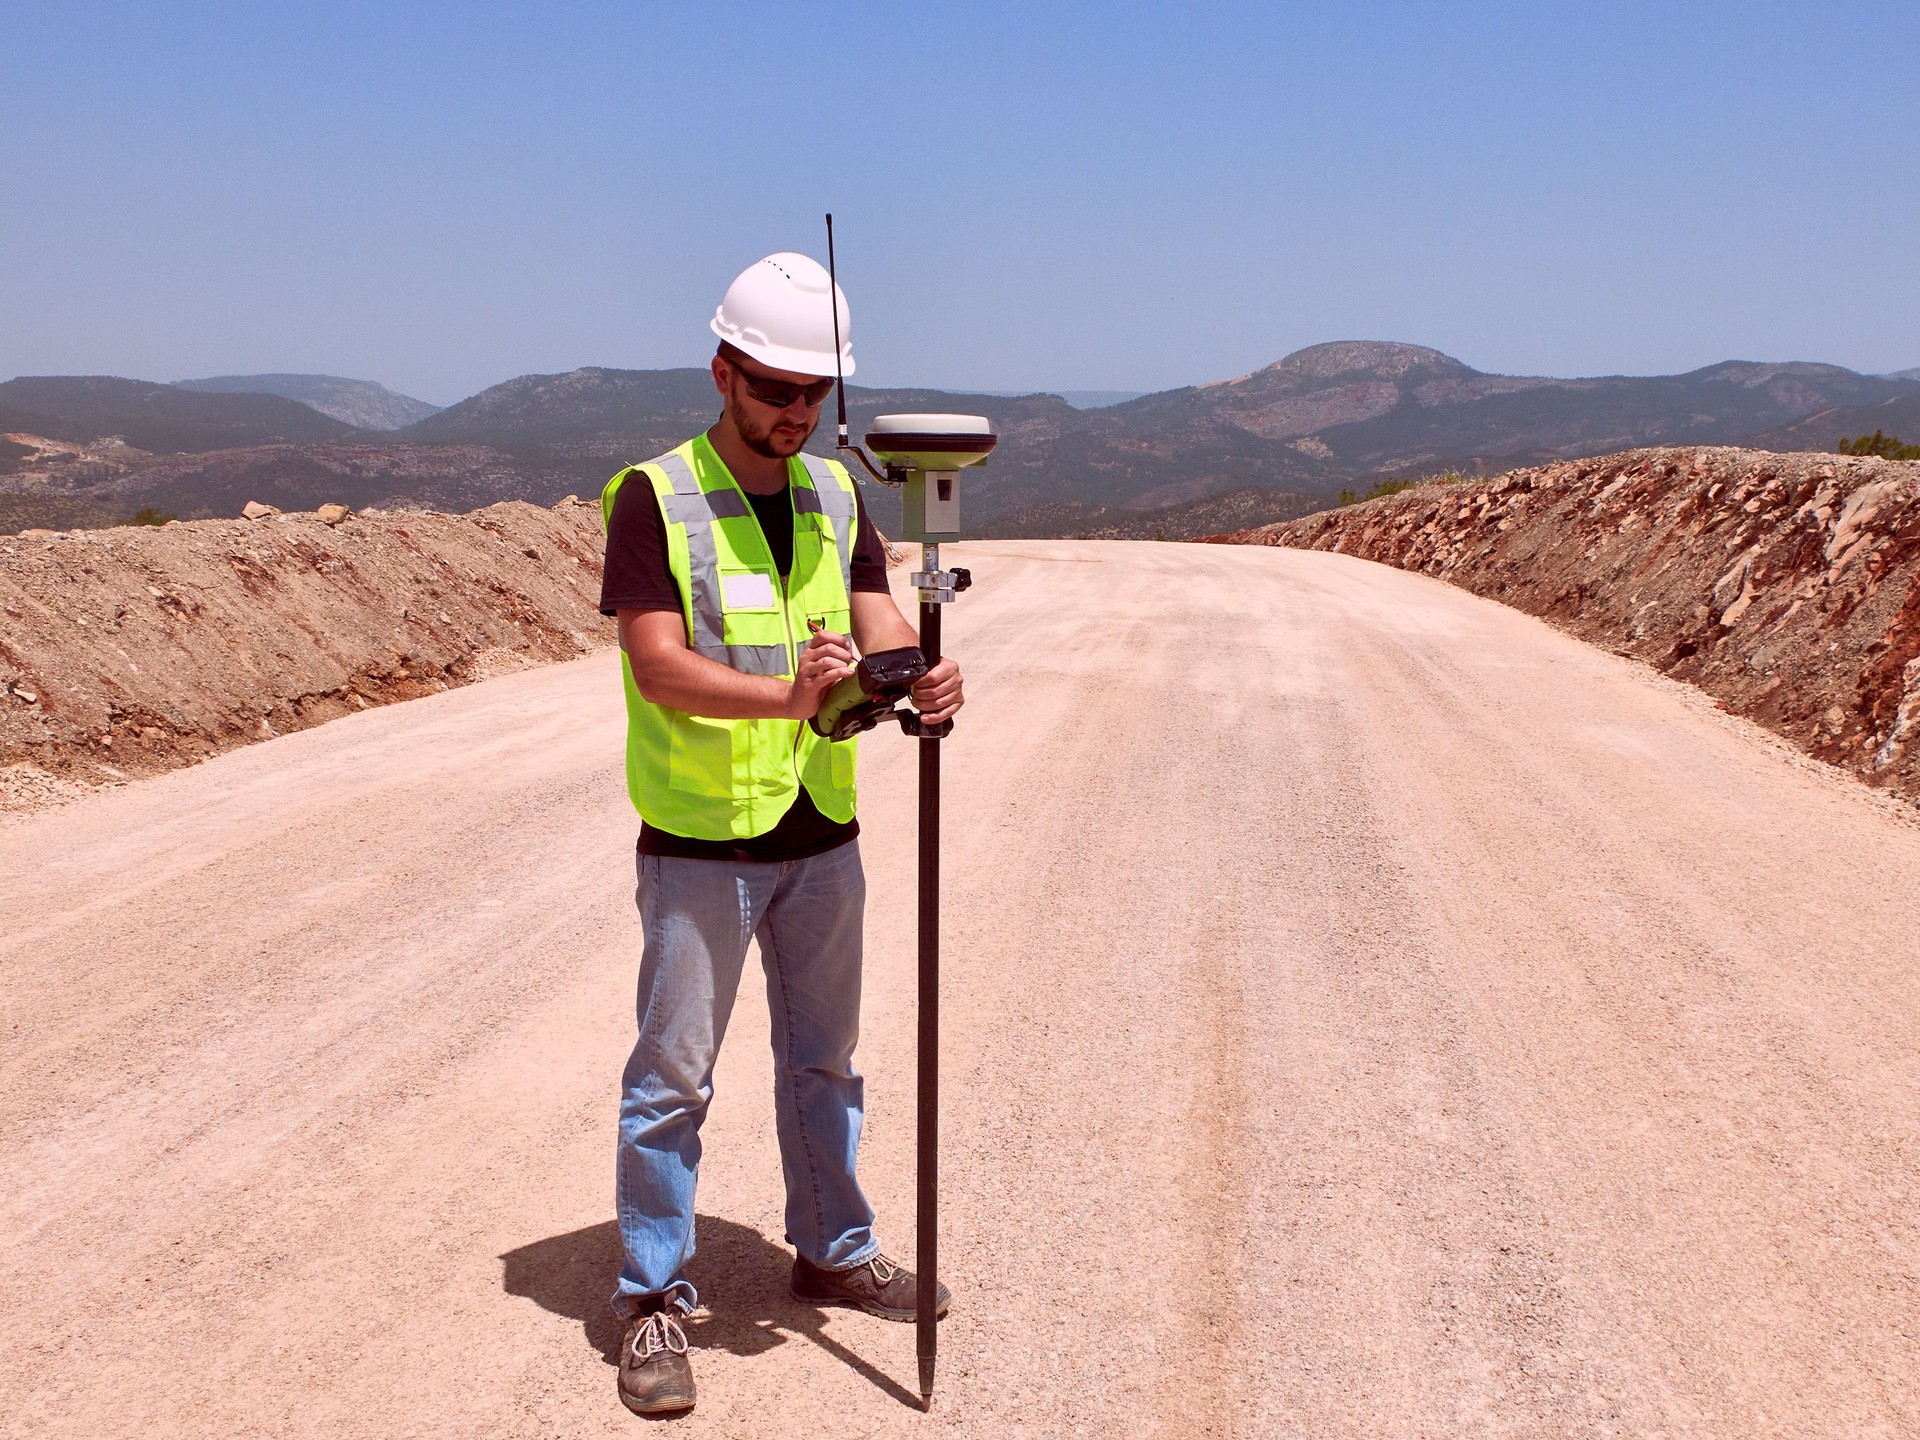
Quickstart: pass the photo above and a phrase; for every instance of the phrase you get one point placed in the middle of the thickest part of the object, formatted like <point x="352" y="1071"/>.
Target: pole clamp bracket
<point x="938" y="587"/>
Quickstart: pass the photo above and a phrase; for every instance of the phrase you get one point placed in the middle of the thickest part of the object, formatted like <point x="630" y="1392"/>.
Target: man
<point x="722" y="556"/>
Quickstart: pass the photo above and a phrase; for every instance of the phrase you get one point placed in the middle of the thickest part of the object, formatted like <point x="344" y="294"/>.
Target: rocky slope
<point x="1786" y="586"/>
<point x="128" y="651"/>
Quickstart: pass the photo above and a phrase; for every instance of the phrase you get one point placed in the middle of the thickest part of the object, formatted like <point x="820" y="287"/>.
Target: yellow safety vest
<point x="734" y="779"/>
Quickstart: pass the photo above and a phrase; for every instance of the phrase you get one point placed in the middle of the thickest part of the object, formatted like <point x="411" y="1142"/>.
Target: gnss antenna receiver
<point x="923" y="456"/>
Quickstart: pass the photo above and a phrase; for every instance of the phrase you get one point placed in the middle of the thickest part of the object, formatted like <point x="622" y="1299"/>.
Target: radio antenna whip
<point x="839" y="379"/>
<point x="843" y="444"/>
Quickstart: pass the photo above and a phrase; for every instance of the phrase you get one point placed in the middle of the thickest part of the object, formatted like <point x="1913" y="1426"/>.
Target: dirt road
<point x="1370" y="1013"/>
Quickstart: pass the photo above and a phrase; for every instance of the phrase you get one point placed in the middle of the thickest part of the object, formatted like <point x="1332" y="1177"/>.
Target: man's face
<point x="767" y="428"/>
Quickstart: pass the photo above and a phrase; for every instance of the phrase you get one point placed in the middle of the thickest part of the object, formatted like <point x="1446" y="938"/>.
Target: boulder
<point x="332" y="514"/>
<point x="254" y="510"/>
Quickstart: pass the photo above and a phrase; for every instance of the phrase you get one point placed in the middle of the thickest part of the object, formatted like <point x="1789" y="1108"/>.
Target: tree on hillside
<point x="1887" y="447"/>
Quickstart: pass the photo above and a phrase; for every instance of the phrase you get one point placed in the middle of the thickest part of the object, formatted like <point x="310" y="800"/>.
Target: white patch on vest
<point x="748" y="590"/>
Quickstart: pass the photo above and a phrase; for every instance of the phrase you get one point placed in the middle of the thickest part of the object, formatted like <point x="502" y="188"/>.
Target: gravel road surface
<point x="1369" y="1013"/>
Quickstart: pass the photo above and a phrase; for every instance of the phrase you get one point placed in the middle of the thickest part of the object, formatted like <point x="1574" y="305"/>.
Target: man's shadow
<point x="740" y="1274"/>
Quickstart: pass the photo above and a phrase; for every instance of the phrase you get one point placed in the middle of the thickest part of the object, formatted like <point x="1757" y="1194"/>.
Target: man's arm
<point x="879" y="625"/>
<point x="668" y="673"/>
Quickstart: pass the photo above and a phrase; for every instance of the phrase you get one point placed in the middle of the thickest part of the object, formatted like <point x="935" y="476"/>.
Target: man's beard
<point x="761" y="440"/>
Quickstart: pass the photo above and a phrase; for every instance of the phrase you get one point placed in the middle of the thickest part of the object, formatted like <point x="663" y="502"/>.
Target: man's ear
<point x="720" y="373"/>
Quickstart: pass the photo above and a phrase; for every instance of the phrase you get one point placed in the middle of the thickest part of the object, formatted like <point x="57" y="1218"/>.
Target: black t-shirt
<point x="638" y="577"/>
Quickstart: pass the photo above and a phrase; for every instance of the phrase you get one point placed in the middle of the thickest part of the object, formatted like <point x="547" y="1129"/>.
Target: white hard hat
<point x="776" y="311"/>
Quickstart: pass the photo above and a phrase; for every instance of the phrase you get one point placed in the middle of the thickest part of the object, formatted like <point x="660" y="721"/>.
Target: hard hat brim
<point x="779" y="357"/>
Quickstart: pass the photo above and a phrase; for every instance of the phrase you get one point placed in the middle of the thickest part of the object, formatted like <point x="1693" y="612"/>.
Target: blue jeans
<point x="698" y="916"/>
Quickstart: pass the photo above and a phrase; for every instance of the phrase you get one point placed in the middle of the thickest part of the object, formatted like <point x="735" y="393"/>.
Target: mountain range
<point x="161" y="419"/>
<point x="1267" y="446"/>
<point x="362" y="404"/>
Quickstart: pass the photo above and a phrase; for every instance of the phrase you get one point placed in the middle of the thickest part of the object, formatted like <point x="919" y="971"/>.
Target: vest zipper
<point x="786" y="614"/>
<point x="786" y="619"/>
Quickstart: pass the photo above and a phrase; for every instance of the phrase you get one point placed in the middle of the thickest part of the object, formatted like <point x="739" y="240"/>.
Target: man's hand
<point x="936" y="695"/>
<point x="827" y="660"/>
<point x="878" y="623"/>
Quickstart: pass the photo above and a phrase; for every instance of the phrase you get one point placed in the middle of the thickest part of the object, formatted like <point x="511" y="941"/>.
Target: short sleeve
<point x="637" y="575"/>
<point x="868" y="572"/>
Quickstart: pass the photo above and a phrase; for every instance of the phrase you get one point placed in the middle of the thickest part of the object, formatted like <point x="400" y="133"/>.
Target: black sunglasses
<point x="781" y="393"/>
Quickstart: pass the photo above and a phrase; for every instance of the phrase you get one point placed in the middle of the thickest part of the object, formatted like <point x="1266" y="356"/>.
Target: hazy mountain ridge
<point x="591" y="403"/>
<point x="363" y="404"/>
<point x="1822" y="430"/>
<point x="162" y="419"/>
<point x="1373" y="407"/>
<point x="595" y="419"/>
<point x="1315" y="422"/>
<point x="599" y="404"/>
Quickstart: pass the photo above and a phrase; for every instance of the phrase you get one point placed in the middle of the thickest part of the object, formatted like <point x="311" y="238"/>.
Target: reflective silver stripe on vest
<point x="748" y="659"/>
<point x="836" y="506"/>
<point x="688" y="508"/>
<point x="704" y="509"/>
<point x="679" y="474"/>
<point x="695" y="510"/>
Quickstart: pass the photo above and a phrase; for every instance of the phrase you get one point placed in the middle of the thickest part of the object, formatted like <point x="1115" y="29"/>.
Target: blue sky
<point x="441" y="196"/>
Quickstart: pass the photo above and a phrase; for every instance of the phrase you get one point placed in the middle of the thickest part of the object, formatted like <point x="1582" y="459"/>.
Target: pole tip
<point x="926" y="1382"/>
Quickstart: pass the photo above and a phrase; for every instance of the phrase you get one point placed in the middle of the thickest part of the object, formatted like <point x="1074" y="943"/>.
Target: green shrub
<point x="147" y="515"/>
<point x="1381" y="487"/>
<point x="1887" y="447"/>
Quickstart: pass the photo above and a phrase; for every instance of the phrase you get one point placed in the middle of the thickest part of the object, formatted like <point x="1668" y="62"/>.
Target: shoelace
<point x="661" y="1331"/>
<point x="883" y="1269"/>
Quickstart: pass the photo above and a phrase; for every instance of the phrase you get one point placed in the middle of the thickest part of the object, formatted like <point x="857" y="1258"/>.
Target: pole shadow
<point x="740" y="1274"/>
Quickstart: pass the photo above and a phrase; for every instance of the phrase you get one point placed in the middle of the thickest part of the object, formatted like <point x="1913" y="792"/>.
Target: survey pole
<point x="927" y="1140"/>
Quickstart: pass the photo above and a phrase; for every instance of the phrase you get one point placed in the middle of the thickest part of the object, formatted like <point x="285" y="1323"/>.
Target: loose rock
<point x="1731" y="569"/>
<point x="211" y="629"/>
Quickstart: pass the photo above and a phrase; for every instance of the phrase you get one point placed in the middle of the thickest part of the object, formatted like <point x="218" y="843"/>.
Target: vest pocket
<point x="745" y="590"/>
<point x="844" y="757"/>
<point x="828" y="769"/>
<point x="700" y="755"/>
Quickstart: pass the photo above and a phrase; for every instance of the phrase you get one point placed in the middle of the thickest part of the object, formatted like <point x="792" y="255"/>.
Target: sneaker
<point x="876" y="1285"/>
<point x="655" y="1374"/>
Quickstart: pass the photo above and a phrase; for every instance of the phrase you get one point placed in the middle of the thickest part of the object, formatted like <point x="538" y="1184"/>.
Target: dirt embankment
<point x="1786" y="586"/>
<point x="129" y="651"/>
